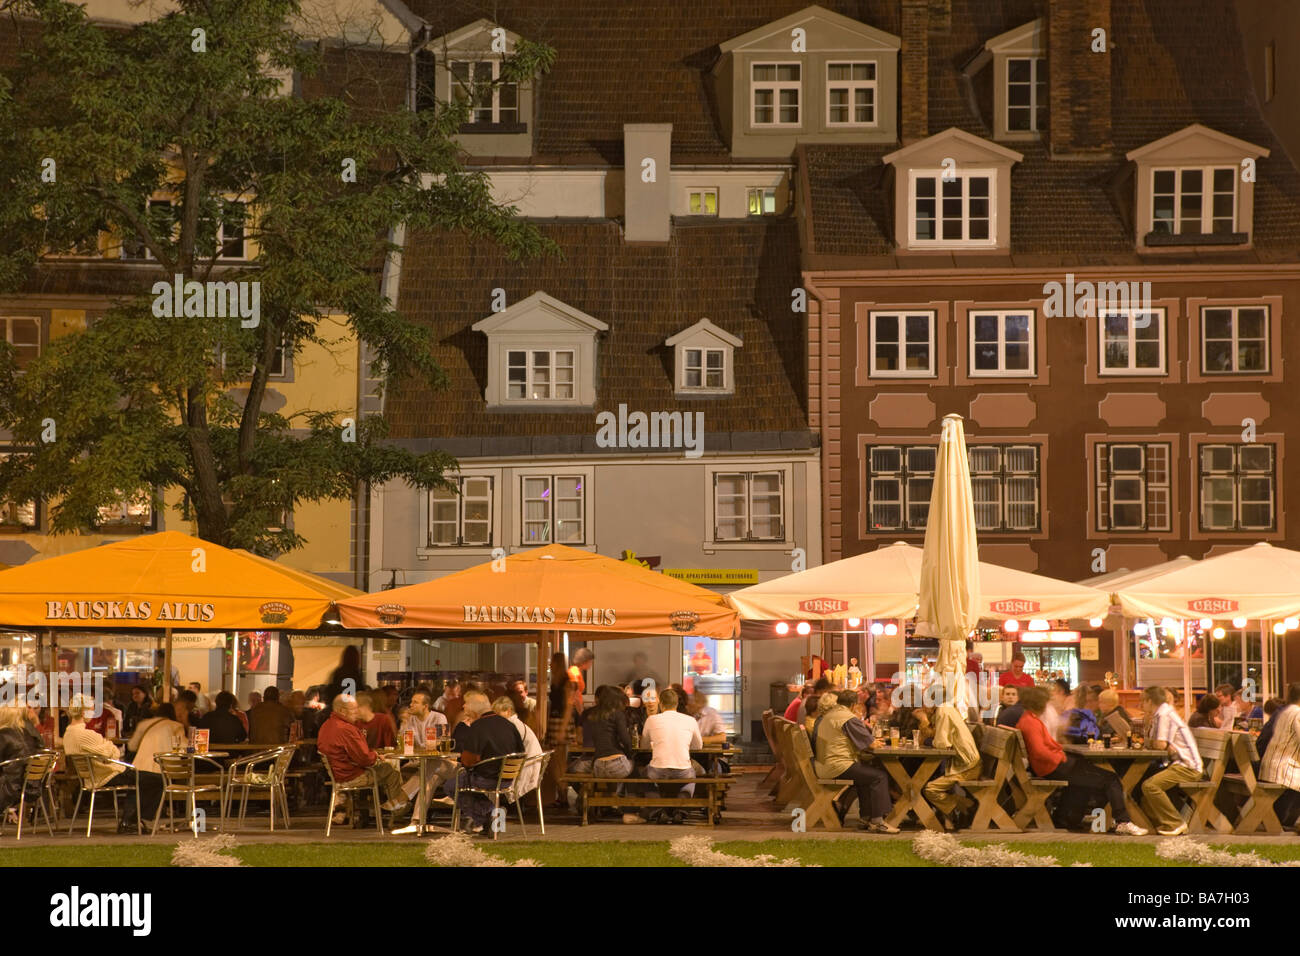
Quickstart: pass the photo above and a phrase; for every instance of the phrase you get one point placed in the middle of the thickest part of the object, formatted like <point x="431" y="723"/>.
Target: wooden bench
<point x="791" y="790"/>
<point x="818" y="794"/>
<point x="1205" y="815"/>
<point x="596" y="791"/>
<point x="1030" y="793"/>
<point x="774" y="776"/>
<point x="1258" y="809"/>
<point x="998" y="751"/>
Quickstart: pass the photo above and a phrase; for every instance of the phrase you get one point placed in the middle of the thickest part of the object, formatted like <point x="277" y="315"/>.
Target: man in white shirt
<point x="1228" y="709"/>
<point x="1058" y="696"/>
<point x="79" y="739"/>
<point x="422" y="718"/>
<point x="1169" y="732"/>
<point x="712" y="729"/>
<point x="670" y="736"/>
<point x="1281" y="763"/>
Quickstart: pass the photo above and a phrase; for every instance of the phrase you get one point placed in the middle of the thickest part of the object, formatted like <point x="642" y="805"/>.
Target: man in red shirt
<point x="1047" y="759"/>
<point x="792" y="711"/>
<point x="340" y="739"/>
<point x="1016" y="677"/>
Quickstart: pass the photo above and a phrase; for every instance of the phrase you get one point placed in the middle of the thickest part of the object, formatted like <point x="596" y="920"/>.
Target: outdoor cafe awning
<point x="1259" y="582"/>
<point x="163" y="581"/>
<point x="885" y="583"/>
<point x="551" y="588"/>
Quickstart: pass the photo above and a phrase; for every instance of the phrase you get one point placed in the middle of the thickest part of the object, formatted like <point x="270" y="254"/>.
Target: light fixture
<point x="1011" y="626"/>
<point x="1218" y="633"/>
<point x="1292" y="623"/>
<point x="891" y="630"/>
<point x="877" y="629"/>
<point x="1238" y="622"/>
<point x="1095" y="622"/>
<point x="855" y="622"/>
<point x="1039" y="625"/>
<point x="804" y="628"/>
<point x="1168" y="623"/>
<point x="782" y="628"/>
<point x="1206" y="624"/>
<point x="1140" y="629"/>
<point x="1279" y="628"/>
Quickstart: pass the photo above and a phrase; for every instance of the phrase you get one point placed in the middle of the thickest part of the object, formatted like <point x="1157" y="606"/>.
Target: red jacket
<point x="1009" y="679"/>
<point x="1045" y="754"/>
<point x="343" y="742"/>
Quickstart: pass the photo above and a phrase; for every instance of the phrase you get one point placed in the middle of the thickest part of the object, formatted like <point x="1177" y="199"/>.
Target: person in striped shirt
<point x="1169" y="732"/>
<point x="1281" y="763"/>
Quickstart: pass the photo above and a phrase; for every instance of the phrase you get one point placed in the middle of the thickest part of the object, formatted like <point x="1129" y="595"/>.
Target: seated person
<point x="944" y="791"/>
<point x="1245" y="709"/>
<point x="373" y="718"/>
<point x="422" y="718"/>
<point x="1080" y="722"/>
<point x="1047" y="759"/>
<point x="79" y="739"/>
<point x="838" y="738"/>
<point x="341" y="740"/>
<point x="1114" y="718"/>
<point x="1010" y="711"/>
<point x="712" y="729"/>
<point x="1207" y="712"/>
<point x="14" y="743"/>
<point x="1058" y="703"/>
<point x="484" y="736"/>
<point x="270" y="720"/>
<point x="529" y="779"/>
<point x="1281" y="759"/>
<point x="1166" y="731"/>
<point x="671" y="735"/>
<point x="222" y="725"/>
<point x="161" y="733"/>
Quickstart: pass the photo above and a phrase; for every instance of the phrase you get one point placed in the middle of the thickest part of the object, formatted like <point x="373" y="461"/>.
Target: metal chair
<point x="177" y="770"/>
<point x="271" y="780"/>
<point x="83" y="765"/>
<point x="542" y="760"/>
<point x="509" y="766"/>
<point x="38" y="771"/>
<point x="363" y="781"/>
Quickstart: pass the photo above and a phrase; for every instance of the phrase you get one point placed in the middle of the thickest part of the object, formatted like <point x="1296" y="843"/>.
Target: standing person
<point x="838" y="738"/>
<point x="269" y="721"/>
<point x="162" y="733"/>
<point x="1166" y="731"/>
<point x="1016" y="677"/>
<point x="1281" y="761"/>
<point x="349" y="670"/>
<point x="1047" y="759"/>
<point x="561" y="727"/>
<point x="582" y="659"/>
<point x="423" y="719"/>
<point x="671" y="736"/>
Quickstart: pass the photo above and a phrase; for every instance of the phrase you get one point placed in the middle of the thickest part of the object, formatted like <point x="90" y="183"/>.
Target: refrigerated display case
<point x="713" y="666"/>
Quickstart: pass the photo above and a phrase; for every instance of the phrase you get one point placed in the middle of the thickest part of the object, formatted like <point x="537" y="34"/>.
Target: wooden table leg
<point x="1130" y="779"/>
<point x="912" y="796"/>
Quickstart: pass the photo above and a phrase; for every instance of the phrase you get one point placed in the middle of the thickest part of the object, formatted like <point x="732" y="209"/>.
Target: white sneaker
<point x="1129" y="828"/>
<point x="1176" y="831"/>
<point x="389" y="806"/>
<point x="633" y="818"/>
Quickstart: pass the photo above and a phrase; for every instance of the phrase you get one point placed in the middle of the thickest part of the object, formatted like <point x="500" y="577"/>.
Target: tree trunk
<point x="209" y="508"/>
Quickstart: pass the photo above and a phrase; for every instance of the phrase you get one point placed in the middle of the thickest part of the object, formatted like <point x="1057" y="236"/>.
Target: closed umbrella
<point x="949" y="599"/>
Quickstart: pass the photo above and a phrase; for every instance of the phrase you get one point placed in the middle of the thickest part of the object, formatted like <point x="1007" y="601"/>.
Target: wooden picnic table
<point x="912" y="785"/>
<point x="1138" y="760"/>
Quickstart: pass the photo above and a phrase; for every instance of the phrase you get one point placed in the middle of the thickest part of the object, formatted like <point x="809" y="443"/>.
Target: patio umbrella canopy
<point x="165" y="581"/>
<point x="551" y="588"/>
<point x="1259" y="582"/>
<point x="949" y="601"/>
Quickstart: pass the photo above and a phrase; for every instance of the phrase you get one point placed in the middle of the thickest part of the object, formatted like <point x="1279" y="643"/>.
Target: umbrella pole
<point x="50" y="692"/>
<point x="167" y="664"/>
<point x="543" y="698"/>
<point x="1187" y="673"/>
<point x="1266" y="632"/>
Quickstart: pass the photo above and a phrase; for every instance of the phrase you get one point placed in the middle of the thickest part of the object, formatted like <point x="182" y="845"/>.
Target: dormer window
<point x="1190" y="191"/>
<point x="851" y="94"/>
<point x="478" y="83"/>
<point x="704" y="359"/>
<point x="953" y="209"/>
<point x="541" y="355"/>
<point x="1026" y="94"/>
<point x="774" y="91"/>
<point x="1194" y="200"/>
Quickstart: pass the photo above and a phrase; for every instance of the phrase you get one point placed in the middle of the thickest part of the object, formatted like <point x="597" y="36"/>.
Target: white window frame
<point x="705" y="351"/>
<point x="904" y="477"/>
<point x="963" y="176"/>
<point x="112" y="526"/>
<point x="1207" y="197"/>
<point x="1157" y="317"/>
<point x="460" y="498"/>
<point x="1105" y="489"/>
<point x="8" y="506"/>
<point x="453" y="83"/>
<point x="1002" y="371"/>
<point x="1037" y="64"/>
<point x="1004" y="475"/>
<point x="1235" y="476"/>
<point x="7" y="324"/>
<point x="551" y="476"/>
<point x="748" y="495"/>
<point x="776" y="85"/>
<point x="763" y="194"/>
<point x="1236" y="310"/>
<point x="902" y="315"/>
<point x="852" y="86"/>
<point x="529" y="369"/>
<point x="243" y="237"/>
<point x="703" y="192"/>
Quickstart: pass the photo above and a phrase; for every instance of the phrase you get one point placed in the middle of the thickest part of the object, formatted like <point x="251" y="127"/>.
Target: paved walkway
<point x="749" y="817"/>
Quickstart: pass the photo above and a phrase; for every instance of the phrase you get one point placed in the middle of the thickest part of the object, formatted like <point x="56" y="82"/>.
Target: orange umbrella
<point x="552" y="588"/>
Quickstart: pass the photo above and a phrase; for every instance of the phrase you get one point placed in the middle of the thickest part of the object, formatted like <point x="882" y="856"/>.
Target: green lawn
<point x="630" y="853"/>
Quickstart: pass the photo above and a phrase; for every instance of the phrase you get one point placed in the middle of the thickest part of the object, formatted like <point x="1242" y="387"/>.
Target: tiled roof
<point x="629" y="61"/>
<point x="739" y="274"/>
<point x="1173" y="63"/>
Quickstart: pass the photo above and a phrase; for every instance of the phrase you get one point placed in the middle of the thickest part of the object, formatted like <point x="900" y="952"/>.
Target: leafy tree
<point x="160" y="111"/>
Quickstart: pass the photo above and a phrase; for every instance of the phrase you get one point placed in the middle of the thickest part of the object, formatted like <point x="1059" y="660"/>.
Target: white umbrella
<point x="949" y="600"/>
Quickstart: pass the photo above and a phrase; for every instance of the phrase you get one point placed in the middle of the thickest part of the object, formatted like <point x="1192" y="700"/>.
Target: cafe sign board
<point x="727" y="577"/>
<point x="1212" y="605"/>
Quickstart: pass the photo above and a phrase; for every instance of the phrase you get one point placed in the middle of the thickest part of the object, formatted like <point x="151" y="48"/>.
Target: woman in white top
<point x="528" y="780"/>
<point x="159" y="734"/>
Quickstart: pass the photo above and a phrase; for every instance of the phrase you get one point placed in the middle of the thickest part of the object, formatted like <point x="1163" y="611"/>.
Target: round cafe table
<point x="219" y="770"/>
<point x="425" y="757"/>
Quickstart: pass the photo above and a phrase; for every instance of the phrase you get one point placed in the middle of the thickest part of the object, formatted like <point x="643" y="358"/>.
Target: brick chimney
<point x="913" y="70"/>
<point x="1078" y="78"/>
<point x="647" y="181"/>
